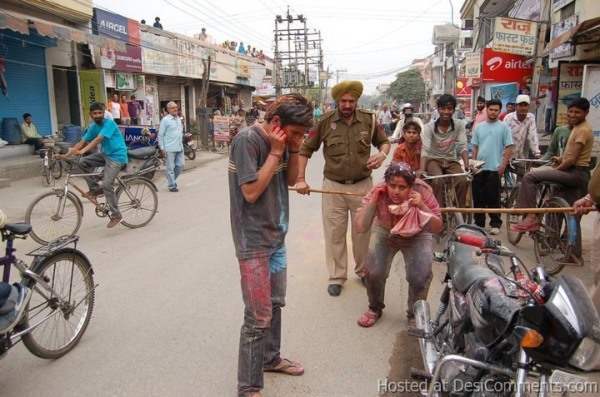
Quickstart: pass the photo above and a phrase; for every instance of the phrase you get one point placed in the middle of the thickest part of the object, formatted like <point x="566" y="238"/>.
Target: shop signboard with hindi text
<point x="159" y="55"/>
<point x="515" y="36"/>
<point x="473" y="65"/>
<point x="221" y="128"/>
<point x="129" y="60"/>
<point x="191" y="55"/>
<point x="569" y="88"/>
<point x="591" y="91"/>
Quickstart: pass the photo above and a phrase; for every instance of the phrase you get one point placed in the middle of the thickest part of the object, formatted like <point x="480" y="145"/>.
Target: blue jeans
<point x="175" y="162"/>
<point x="264" y="282"/>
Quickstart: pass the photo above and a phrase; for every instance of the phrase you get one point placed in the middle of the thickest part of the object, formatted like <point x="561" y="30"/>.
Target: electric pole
<point x="337" y="74"/>
<point x="296" y="51"/>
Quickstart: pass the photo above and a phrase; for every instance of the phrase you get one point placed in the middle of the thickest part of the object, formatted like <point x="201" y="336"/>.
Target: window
<point x="567" y="11"/>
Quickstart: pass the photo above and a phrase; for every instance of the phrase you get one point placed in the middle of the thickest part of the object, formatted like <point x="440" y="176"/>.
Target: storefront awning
<point x="21" y="23"/>
<point x="570" y="34"/>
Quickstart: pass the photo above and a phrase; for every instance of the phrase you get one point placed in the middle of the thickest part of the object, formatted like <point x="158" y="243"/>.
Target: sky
<point x="371" y="39"/>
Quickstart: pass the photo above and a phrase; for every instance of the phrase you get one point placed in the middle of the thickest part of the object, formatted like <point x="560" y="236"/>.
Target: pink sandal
<point x="368" y="319"/>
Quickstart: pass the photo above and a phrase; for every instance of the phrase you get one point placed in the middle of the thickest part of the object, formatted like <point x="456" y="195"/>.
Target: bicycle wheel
<point x="48" y="221"/>
<point x="511" y="219"/>
<point x="70" y="276"/>
<point x="553" y="243"/>
<point x="56" y="169"/>
<point x="137" y="204"/>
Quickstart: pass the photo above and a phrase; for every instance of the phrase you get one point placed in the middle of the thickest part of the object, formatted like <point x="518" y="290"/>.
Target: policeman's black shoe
<point x="334" y="289"/>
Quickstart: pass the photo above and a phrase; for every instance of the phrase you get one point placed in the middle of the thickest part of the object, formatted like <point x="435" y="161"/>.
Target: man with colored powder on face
<point x="264" y="161"/>
<point x="347" y="135"/>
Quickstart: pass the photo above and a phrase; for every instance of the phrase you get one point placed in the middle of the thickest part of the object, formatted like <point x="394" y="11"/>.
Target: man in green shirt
<point x="30" y="133"/>
<point x="558" y="142"/>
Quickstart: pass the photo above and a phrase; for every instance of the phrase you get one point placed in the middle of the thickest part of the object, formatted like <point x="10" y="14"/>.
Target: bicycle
<point x="451" y="219"/>
<point x="50" y="308"/>
<point x="510" y="192"/>
<point x="51" y="167"/>
<point x="60" y="211"/>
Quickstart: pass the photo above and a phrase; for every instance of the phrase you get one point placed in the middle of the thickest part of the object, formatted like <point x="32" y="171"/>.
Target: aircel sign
<point x="116" y="26"/>
<point x="504" y="67"/>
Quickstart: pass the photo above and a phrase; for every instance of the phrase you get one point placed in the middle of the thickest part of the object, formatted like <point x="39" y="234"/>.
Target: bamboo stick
<point x="311" y="190"/>
<point x="522" y="211"/>
<point x="518" y="211"/>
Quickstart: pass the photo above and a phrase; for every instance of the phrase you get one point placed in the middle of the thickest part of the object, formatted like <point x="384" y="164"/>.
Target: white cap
<point x="523" y="98"/>
<point x="407" y="105"/>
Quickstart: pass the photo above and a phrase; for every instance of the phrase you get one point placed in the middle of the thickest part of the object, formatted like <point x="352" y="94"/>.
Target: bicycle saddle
<point x="142" y="153"/>
<point x="19" y="229"/>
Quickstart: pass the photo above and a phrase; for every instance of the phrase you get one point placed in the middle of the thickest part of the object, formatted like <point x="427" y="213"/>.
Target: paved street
<point x="169" y="308"/>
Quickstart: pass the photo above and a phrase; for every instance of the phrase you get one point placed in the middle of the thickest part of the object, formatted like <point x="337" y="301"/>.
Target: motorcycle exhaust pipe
<point x="429" y="354"/>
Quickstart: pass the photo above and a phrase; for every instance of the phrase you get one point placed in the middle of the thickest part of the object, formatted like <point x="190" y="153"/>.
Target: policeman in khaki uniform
<point x="347" y="135"/>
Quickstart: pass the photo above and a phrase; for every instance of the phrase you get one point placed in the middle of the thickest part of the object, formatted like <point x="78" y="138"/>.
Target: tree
<point x="408" y="87"/>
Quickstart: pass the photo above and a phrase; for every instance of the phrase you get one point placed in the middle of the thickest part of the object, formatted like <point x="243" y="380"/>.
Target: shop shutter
<point x="26" y="80"/>
<point x="169" y="91"/>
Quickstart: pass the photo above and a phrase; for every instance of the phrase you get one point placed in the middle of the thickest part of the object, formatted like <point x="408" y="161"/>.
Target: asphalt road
<point x="169" y="307"/>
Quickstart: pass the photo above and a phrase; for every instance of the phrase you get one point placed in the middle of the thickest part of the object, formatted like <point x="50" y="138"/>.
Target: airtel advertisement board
<point x="504" y="67"/>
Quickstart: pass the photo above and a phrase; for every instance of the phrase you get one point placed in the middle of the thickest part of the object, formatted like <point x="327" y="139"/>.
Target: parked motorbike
<point x="501" y="330"/>
<point x="144" y="161"/>
<point x="189" y="146"/>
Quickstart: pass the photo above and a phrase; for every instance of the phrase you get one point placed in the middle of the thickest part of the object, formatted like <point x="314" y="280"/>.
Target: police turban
<point x="347" y="87"/>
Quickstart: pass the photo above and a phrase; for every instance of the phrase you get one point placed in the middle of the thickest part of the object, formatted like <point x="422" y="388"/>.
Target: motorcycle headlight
<point x="560" y="300"/>
<point x="587" y="355"/>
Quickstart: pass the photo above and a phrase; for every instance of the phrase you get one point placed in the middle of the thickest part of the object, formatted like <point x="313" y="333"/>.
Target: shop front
<point x="24" y="77"/>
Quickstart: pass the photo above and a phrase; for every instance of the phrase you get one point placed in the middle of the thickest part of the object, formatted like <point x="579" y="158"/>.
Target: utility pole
<point x="202" y="111"/>
<point x="296" y="50"/>
<point x="337" y="74"/>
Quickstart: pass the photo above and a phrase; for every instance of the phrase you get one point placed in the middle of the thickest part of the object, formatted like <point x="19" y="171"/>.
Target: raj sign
<point x="515" y="36"/>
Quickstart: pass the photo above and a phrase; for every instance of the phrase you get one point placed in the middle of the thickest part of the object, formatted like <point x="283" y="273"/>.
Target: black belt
<point x="351" y="181"/>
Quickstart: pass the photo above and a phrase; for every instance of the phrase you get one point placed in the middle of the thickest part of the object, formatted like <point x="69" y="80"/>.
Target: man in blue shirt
<point x="170" y="141"/>
<point x="492" y="143"/>
<point x="113" y="157"/>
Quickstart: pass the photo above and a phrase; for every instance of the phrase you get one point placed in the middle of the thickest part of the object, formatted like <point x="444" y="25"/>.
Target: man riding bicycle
<point x="571" y="170"/>
<point x="113" y="156"/>
<point x="444" y="140"/>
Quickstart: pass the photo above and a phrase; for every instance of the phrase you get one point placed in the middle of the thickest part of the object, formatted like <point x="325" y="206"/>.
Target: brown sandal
<point x="287" y="367"/>
<point x="368" y="319"/>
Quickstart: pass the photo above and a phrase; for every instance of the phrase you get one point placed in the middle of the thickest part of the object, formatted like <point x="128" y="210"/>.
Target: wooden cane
<point x="311" y="190"/>
<point x="522" y="211"/>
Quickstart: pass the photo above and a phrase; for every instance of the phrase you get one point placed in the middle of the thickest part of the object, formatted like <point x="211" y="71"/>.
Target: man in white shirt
<point x="407" y="114"/>
<point x="385" y="119"/>
<point x="524" y="130"/>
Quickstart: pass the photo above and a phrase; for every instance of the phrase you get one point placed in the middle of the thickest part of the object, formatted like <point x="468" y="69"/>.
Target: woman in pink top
<point x="125" y="119"/>
<point x="400" y="187"/>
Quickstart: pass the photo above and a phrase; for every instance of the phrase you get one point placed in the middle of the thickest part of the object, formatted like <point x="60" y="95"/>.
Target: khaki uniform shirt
<point x="346" y="148"/>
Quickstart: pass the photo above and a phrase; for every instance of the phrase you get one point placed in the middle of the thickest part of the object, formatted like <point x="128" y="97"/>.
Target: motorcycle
<point x="145" y="160"/>
<point x="189" y="146"/>
<point x="501" y="330"/>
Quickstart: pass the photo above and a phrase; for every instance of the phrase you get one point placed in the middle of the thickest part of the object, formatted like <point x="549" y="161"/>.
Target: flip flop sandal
<point x="368" y="319"/>
<point x="287" y="367"/>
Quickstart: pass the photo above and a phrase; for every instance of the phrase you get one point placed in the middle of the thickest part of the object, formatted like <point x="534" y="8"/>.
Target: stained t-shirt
<point x="258" y="229"/>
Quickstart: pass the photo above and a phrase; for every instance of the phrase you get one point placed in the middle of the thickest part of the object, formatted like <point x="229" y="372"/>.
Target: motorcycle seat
<point x="464" y="269"/>
<point x="20" y="229"/>
<point x="142" y="153"/>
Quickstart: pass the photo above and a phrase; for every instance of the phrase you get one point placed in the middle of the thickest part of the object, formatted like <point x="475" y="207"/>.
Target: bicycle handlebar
<point x="429" y="177"/>
<point x="532" y="161"/>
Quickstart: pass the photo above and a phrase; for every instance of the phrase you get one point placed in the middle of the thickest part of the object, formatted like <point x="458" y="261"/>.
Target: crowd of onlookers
<point x="240" y="48"/>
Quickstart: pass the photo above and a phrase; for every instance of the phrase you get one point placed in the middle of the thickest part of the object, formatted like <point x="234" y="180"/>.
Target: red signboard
<point x="462" y="89"/>
<point x="124" y="61"/>
<point x="504" y="67"/>
<point x="133" y="28"/>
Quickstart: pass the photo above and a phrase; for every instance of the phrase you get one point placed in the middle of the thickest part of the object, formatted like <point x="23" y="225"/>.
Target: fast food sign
<point x="515" y="36"/>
